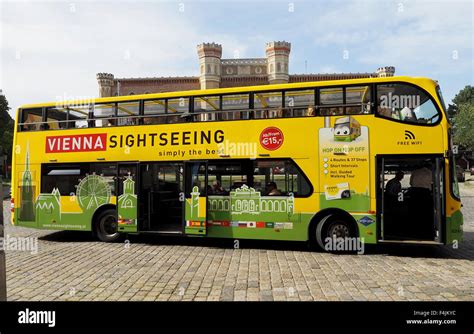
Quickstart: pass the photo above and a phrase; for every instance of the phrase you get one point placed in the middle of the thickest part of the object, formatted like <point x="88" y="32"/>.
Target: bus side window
<point x="359" y="98"/>
<point x="279" y="177"/>
<point x="55" y="119"/>
<point x="31" y="119"/>
<point x="155" y="112"/>
<point x="127" y="112"/>
<point x="78" y="116"/>
<point x="406" y="103"/>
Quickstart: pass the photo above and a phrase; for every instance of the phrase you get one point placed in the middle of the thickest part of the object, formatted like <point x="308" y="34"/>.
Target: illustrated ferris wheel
<point x="92" y="192"/>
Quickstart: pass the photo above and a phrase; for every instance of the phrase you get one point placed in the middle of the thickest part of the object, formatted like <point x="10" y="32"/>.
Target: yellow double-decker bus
<point x="368" y="159"/>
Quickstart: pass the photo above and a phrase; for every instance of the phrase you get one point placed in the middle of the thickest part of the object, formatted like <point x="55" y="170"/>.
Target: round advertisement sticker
<point x="271" y="138"/>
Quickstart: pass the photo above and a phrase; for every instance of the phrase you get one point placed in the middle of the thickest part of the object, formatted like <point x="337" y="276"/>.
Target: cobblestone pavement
<point x="73" y="266"/>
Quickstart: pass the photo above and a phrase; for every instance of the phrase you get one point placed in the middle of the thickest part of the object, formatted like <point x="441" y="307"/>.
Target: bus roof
<point x="240" y="89"/>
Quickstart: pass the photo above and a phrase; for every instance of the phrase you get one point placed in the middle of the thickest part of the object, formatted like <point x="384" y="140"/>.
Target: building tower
<point x="278" y="54"/>
<point x="27" y="205"/>
<point x="209" y="65"/>
<point x="386" y="71"/>
<point x="106" y="83"/>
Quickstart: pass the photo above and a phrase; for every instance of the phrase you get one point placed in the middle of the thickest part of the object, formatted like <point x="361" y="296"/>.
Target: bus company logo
<point x="76" y="143"/>
<point x="409" y="139"/>
<point x="271" y="138"/>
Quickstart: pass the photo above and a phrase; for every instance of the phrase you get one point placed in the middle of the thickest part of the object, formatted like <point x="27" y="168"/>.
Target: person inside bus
<point x="209" y="190"/>
<point x="393" y="206"/>
<point x="310" y="111"/>
<point x="407" y="114"/>
<point x="272" y="189"/>
<point x="394" y="187"/>
<point x="217" y="188"/>
<point x="420" y="204"/>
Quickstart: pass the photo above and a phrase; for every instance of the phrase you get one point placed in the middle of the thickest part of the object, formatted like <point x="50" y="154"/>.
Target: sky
<point x="52" y="50"/>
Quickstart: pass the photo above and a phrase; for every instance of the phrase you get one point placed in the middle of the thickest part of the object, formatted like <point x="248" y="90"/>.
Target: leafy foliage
<point x="6" y="129"/>
<point x="464" y="126"/>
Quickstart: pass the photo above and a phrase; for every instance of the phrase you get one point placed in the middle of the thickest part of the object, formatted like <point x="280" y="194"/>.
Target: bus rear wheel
<point x="106" y="227"/>
<point x="332" y="228"/>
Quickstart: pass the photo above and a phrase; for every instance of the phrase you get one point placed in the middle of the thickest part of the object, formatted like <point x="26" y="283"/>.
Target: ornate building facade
<point x="215" y="72"/>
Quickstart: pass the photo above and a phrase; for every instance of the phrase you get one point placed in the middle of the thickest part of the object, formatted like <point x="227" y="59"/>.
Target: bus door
<point x="127" y="198"/>
<point x="410" y="198"/>
<point x="195" y="201"/>
<point x="161" y="197"/>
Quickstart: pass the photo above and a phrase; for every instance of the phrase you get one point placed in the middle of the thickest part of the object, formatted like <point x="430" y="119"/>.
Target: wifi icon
<point x="409" y="135"/>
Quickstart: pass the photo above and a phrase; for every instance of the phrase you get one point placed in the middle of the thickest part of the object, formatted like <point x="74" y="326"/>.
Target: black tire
<point x="106" y="227"/>
<point x="331" y="226"/>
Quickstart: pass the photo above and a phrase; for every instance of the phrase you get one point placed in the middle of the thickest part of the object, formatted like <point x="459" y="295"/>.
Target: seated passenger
<point x="310" y="111"/>
<point x="384" y="111"/>
<point x="407" y="114"/>
<point x="394" y="186"/>
<point x="210" y="191"/>
<point x="272" y="189"/>
<point x="217" y="188"/>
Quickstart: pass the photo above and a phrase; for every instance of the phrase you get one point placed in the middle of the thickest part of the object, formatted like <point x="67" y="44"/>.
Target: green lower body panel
<point x="454" y="227"/>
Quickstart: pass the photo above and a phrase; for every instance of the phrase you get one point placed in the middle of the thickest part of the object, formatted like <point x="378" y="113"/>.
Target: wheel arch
<point x="97" y="214"/>
<point x="330" y="211"/>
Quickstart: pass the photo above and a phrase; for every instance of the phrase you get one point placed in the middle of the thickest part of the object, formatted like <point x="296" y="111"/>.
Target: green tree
<point x="464" y="126"/>
<point x="6" y="129"/>
<point x="465" y="95"/>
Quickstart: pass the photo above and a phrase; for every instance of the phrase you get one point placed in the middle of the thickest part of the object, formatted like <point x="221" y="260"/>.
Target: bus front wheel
<point x="331" y="228"/>
<point x="106" y="227"/>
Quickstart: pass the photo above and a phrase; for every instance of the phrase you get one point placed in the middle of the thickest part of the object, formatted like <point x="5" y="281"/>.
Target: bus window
<point x="108" y="172"/>
<point x="279" y="177"/>
<point x="154" y="111"/>
<point x="360" y="96"/>
<point x="31" y="119"/>
<point x="268" y="105"/>
<point x="105" y="111"/>
<point x="127" y="112"/>
<point x="206" y="103"/>
<point x="301" y="102"/>
<point x="406" y="103"/>
<point x="334" y="97"/>
<point x="224" y="176"/>
<point x="177" y="107"/>
<point x="78" y="116"/>
<point x="235" y="102"/>
<point x="239" y="103"/>
<point x="63" y="177"/>
<point x="56" y="118"/>
<point x="206" y="108"/>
